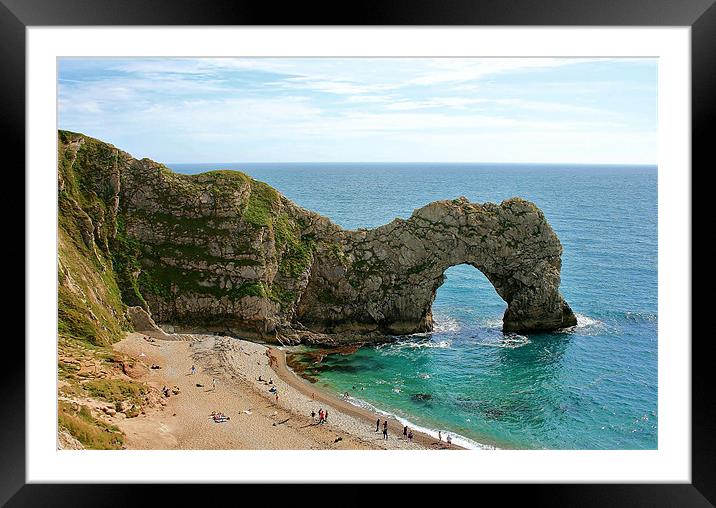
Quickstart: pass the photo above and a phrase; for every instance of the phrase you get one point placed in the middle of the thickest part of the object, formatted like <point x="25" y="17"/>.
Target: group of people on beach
<point x="219" y="417"/>
<point x="322" y="415"/>
<point x="448" y="439"/>
<point x="167" y="392"/>
<point x="407" y="433"/>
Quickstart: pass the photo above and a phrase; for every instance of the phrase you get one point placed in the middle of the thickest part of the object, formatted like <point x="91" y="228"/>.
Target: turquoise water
<point x="592" y="387"/>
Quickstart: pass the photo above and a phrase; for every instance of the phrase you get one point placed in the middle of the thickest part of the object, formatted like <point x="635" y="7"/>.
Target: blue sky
<point x="366" y="109"/>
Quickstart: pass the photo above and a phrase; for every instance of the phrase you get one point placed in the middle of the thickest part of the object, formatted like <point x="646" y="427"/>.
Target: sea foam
<point x="457" y="439"/>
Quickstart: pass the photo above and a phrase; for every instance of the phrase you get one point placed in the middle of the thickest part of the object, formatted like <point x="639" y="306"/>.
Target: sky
<point x="181" y="110"/>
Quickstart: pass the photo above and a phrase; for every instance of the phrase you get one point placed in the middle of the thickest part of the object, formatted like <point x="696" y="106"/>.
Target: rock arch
<point x="386" y="279"/>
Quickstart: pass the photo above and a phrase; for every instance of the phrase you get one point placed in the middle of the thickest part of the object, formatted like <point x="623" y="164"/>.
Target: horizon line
<point x="428" y="162"/>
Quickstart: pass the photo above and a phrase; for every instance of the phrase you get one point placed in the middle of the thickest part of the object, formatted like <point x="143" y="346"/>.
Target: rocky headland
<point x="223" y="253"/>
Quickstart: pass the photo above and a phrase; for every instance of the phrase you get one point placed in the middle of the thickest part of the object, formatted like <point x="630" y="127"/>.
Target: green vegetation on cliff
<point x="125" y="261"/>
<point x="92" y="433"/>
<point x="145" y="236"/>
<point x="90" y="306"/>
<point x="134" y="233"/>
<point x="115" y="390"/>
<point x="262" y="204"/>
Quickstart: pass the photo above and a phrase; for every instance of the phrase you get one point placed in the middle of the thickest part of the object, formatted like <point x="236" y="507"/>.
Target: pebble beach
<point x="256" y="419"/>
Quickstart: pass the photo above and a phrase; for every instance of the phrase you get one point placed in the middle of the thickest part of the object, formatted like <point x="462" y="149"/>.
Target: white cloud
<point x="441" y="71"/>
<point x="219" y="109"/>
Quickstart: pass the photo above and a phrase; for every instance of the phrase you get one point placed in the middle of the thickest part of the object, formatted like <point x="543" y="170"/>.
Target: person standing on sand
<point x="377" y="425"/>
<point x="405" y="432"/>
<point x="276" y="397"/>
<point x="410" y="436"/>
<point x="385" y="429"/>
<point x="213" y="383"/>
<point x="440" y="436"/>
<point x="193" y="370"/>
<point x="313" y="415"/>
<point x="449" y="441"/>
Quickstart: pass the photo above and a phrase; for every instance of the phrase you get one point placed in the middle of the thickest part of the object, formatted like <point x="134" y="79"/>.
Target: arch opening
<point x="466" y="299"/>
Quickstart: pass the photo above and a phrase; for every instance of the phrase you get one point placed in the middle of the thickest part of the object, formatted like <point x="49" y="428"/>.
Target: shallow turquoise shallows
<point x="591" y="387"/>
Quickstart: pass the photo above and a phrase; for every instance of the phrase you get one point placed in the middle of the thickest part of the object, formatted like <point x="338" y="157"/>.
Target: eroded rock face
<point x="221" y="252"/>
<point x="387" y="278"/>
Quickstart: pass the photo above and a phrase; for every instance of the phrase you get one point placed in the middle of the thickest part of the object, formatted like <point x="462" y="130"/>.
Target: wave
<point x="401" y="345"/>
<point x="640" y="317"/>
<point x="508" y="341"/>
<point x="445" y="324"/>
<point x="585" y="326"/>
<point x="492" y="323"/>
<point x="585" y="321"/>
<point x="457" y="439"/>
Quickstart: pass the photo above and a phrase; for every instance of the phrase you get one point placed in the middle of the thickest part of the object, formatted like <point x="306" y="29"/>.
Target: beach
<point x="256" y="419"/>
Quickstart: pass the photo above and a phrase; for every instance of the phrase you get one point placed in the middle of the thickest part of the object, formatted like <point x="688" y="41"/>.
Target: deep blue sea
<point x="591" y="387"/>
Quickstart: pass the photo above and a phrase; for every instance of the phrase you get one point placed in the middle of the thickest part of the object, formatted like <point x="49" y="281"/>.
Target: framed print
<point x="460" y="251"/>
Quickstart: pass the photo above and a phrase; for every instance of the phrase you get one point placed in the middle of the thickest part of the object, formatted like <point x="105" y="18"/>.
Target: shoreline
<point x="420" y="435"/>
<point x="458" y="441"/>
<point x="256" y="419"/>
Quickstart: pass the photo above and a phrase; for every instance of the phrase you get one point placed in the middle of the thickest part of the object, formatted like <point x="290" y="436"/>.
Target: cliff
<point x="222" y="252"/>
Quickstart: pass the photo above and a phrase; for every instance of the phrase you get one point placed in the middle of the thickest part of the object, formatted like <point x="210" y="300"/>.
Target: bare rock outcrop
<point x="142" y="322"/>
<point x="387" y="278"/>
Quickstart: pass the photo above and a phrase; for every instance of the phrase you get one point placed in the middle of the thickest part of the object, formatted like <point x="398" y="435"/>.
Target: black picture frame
<point x="700" y="15"/>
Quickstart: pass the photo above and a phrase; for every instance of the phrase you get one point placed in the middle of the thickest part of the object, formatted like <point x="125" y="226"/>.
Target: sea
<point x="593" y="386"/>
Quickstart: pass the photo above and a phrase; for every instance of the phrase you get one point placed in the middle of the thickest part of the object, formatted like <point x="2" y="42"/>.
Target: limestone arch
<point x="386" y="278"/>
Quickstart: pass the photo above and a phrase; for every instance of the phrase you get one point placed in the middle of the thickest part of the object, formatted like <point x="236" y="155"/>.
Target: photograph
<point x="357" y="253"/>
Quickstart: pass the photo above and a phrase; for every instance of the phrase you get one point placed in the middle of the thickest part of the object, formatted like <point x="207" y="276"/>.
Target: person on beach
<point x="276" y="397"/>
<point x="377" y="425"/>
<point x="313" y="415"/>
<point x="213" y="383"/>
<point x="410" y="436"/>
<point x="325" y="416"/>
<point x="385" y="429"/>
<point x="193" y="370"/>
<point x="405" y="432"/>
<point x="449" y="441"/>
<point x="440" y="436"/>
